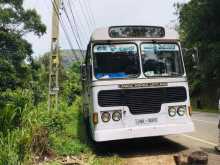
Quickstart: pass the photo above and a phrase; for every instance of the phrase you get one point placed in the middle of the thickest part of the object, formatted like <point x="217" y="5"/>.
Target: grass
<point x="72" y="139"/>
<point x="54" y="134"/>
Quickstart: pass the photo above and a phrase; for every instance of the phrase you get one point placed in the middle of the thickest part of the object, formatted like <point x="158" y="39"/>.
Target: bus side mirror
<point x="193" y="55"/>
<point x="90" y="70"/>
<point x="83" y="72"/>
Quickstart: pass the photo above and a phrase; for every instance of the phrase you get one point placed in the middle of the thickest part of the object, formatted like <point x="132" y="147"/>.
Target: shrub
<point x="28" y="129"/>
<point x="13" y="147"/>
<point x="9" y="149"/>
<point x="13" y="104"/>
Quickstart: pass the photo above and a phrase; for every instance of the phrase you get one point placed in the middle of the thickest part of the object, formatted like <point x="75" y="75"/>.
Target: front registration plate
<point x="146" y="121"/>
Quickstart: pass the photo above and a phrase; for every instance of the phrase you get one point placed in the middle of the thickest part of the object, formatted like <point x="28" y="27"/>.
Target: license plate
<point x="146" y="121"/>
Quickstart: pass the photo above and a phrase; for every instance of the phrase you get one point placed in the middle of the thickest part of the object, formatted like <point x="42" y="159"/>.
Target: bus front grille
<point x="142" y="101"/>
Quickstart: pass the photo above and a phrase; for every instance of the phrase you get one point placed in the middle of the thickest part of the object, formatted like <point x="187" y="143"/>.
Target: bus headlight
<point x="106" y="117"/>
<point x="116" y="116"/>
<point x="181" y="110"/>
<point x="172" y="111"/>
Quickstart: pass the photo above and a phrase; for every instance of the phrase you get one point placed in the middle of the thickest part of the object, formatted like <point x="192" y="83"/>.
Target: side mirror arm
<point x="83" y="72"/>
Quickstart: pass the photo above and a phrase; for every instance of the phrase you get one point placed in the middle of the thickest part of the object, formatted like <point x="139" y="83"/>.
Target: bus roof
<point x="102" y="34"/>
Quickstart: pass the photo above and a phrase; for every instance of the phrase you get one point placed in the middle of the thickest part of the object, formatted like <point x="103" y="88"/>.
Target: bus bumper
<point x="144" y="131"/>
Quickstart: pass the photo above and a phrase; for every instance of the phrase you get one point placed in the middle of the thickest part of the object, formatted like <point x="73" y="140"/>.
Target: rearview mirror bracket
<point x="83" y="72"/>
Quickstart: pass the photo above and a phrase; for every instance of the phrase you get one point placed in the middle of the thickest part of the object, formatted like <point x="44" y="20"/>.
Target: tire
<point x="89" y="132"/>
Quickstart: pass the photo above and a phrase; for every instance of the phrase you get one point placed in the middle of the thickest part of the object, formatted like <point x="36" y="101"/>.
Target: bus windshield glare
<point x="161" y="59"/>
<point x="116" y="61"/>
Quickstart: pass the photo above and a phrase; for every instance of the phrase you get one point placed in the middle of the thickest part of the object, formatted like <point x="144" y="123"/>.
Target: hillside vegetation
<point x="28" y="131"/>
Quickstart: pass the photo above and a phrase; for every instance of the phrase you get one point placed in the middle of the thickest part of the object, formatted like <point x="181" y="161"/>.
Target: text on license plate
<point x="146" y="121"/>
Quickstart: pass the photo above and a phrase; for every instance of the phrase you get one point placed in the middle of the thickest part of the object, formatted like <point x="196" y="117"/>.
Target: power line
<point x="69" y="40"/>
<point x="79" y="43"/>
<point x="87" y="4"/>
<point x="87" y="19"/>
<point x="7" y="52"/>
<point x="76" y="27"/>
<point x="64" y="30"/>
<point x="82" y="24"/>
<point x="75" y="22"/>
<point x="67" y="36"/>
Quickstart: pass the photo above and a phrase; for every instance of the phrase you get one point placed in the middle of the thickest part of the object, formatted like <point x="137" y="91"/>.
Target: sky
<point x="105" y="13"/>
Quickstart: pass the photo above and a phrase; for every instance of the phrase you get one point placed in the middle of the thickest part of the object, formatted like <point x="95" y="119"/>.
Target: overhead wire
<point x="61" y="23"/>
<point x="76" y="35"/>
<point x="89" y="10"/>
<point x="82" y="15"/>
<point x="72" y="28"/>
<point x="55" y="6"/>
<point x="87" y="19"/>
<point x="75" y="22"/>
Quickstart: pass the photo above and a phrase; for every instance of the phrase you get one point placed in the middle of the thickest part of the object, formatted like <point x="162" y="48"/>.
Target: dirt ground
<point x="151" y="160"/>
<point x="154" y="151"/>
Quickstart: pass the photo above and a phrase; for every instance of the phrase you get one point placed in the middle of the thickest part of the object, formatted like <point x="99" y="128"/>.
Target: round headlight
<point x="172" y="111"/>
<point x="106" y="117"/>
<point x="116" y="116"/>
<point x="181" y="110"/>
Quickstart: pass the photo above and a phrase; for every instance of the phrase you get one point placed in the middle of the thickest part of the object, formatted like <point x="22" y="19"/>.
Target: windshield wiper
<point x="175" y="74"/>
<point x="132" y="75"/>
<point x="172" y="74"/>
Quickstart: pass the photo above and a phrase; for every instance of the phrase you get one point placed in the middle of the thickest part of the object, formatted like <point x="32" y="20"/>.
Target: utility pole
<point x="54" y="59"/>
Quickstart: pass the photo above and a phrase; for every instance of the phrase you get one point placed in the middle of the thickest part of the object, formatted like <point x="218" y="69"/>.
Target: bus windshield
<point x="161" y="59"/>
<point x="116" y="61"/>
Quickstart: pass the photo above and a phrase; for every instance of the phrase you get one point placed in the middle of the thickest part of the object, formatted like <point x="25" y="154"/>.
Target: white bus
<point x="135" y="84"/>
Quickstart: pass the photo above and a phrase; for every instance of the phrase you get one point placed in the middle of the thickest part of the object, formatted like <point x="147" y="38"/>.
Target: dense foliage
<point x="15" y="22"/>
<point x="28" y="131"/>
<point x="200" y="27"/>
<point x="18" y="72"/>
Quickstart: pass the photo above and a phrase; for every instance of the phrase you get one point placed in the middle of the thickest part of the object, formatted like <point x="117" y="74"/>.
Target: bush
<point x="13" y="147"/>
<point x="67" y="141"/>
<point x="9" y="149"/>
<point x="28" y="130"/>
<point x="72" y="87"/>
<point x="13" y="104"/>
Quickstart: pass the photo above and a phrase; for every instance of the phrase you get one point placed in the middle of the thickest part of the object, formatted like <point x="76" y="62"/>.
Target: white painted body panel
<point x="127" y="127"/>
<point x="146" y="131"/>
<point x="102" y="34"/>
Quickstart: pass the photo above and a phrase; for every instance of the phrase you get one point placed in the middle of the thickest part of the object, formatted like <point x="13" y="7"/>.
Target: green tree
<point x="72" y="86"/>
<point x="199" y="26"/>
<point x="16" y="62"/>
